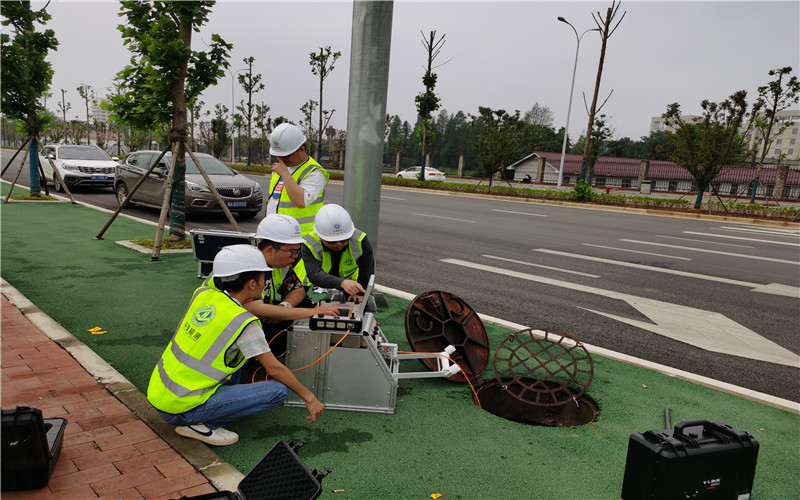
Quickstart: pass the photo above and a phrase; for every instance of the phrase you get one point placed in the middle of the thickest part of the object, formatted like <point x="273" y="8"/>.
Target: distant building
<point x="97" y="113"/>
<point x="784" y="145"/>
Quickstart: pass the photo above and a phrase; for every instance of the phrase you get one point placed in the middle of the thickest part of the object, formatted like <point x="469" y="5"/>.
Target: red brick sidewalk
<point x="108" y="452"/>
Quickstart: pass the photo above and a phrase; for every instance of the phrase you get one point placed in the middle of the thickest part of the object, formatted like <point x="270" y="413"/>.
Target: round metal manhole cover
<point x="547" y="370"/>
<point x="436" y="319"/>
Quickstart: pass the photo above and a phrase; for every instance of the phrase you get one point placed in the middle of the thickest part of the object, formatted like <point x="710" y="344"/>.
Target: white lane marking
<point x="704" y="329"/>
<point x="440" y="217"/>
<point x="744" y="239"/>
<point x="776" y="231"/>
<point x="392" y="198"/>
<point x="570" y="271"/>
<point x="703" y="241"/>
<point x="755" y="257"/>
<point x="772" y="288"/>
<point x="637" y="251"/>
<point x="518" y="213"/>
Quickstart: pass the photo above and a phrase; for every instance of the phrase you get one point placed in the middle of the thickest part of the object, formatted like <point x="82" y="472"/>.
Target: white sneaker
<point x="217" y="437"/>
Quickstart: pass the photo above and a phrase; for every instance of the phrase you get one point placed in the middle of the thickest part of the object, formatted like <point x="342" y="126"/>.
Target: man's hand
<point x="314" y="408"/>
<point x="280" y="168"/>
<point x="352" y="289"/>
<point x="326" y="310"/>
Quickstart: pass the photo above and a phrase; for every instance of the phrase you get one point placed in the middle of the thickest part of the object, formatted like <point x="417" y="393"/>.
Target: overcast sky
<point x="503" y="55"/>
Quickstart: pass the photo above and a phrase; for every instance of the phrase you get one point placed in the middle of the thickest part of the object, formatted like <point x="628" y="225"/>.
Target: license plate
<point x="236" y="204"/>
<point x="99" y="177"/>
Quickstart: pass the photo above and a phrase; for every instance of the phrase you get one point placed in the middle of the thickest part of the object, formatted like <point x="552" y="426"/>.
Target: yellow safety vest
<point x="193" y="366"/>
<point x="348" y="263"/>
<point x="304" y="216"/>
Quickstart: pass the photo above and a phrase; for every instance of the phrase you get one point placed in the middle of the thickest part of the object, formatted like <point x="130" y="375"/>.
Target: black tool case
<point x="280" y="475"/>
<point x="697" y="459"/>
<point x="31" y="445"/>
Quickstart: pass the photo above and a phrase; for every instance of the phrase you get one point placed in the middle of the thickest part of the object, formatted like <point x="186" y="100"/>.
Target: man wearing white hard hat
<point x="195" y="385"/>
<point x="336" y="254"/>
<point x="279" y="239"/>
<point x="298" y="182"/>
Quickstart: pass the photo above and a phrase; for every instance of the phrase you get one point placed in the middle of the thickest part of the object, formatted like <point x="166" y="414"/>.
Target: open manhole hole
<point x="541" y="377"/>
<point x="495" y="398"/>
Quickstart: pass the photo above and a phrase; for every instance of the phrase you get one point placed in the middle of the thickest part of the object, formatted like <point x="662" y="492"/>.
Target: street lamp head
<point x="562" y="19"/>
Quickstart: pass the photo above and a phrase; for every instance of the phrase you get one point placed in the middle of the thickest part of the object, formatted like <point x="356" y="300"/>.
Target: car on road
<point x="79" y="165"/>
<point x="241" y="194"/>
<point x="431" y="174"/>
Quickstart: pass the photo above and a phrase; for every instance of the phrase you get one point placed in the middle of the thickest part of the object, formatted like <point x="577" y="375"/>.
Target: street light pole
<point x="233" y="74"/>
<point x="571" y="88"/>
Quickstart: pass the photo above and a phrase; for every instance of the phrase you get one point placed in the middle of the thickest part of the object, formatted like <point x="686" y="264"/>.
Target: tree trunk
<point x="177" y="212"/>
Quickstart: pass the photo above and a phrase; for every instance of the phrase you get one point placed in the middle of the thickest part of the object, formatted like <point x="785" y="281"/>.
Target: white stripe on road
<point x="392" y="198"/>
<point x="518" y="213"/>
<point x="772" y="288"/>
<point x="773" y="231"/>
<point x="447" y="218"/>
<point x="744" y="239"/>
<point x="570" y="271"/>
<point x="691" y="249"/>
<point x="704" y="329"/>
<point x="637" y="251"/>
<point x="703" y="241"/>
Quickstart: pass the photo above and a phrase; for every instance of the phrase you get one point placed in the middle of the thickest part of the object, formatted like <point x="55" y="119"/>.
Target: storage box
<point x="207" y="242"/>
<point x="31" y="445"/>
<point x="698" y="459"/>
<point x="280" y="475"/>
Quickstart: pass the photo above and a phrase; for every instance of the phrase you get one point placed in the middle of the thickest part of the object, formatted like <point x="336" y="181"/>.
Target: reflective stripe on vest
<point x="352" y="252"/>
<point x="305" y="215"/>
<point x="193" y="366"/>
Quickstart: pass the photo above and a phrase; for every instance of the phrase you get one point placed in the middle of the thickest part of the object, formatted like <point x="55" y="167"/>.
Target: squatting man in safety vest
<point x="297" y="185"/>
<point x="195" y="385"/>
<point x="336" y="254"/>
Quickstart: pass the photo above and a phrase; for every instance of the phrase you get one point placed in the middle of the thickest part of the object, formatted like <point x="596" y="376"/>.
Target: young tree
<point x="772" y="98"/>
<point x="703" y="147"/>
<point x="322" y="64"/>
<point x="264" y="124"/>
<point x="605" y="33"/>
<point x="164" y="75"/>
<point x="195" y="109"/>
<point x="497" y="144"/>
<point x="597" y="146"/>
<point x="25" y="74"/>
<point x="251" y="85"/>
<point x="87" y="94"/>
<point x="428" y="102"/>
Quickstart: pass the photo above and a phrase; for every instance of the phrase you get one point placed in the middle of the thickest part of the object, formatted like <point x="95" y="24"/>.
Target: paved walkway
<point x="108" y="451"/>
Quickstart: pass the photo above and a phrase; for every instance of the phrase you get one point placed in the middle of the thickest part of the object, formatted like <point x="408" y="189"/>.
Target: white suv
<point x="78" y="165"/>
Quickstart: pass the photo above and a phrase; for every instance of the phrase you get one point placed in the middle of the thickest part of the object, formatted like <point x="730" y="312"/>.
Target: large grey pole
<point x="366" y="113"/>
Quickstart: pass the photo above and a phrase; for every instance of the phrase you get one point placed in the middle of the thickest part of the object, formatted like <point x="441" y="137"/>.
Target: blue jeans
<point x="230" y="402"/>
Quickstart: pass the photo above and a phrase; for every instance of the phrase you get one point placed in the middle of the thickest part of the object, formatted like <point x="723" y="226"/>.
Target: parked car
<point x="431" y="174"/>
<point x="79" y="165"/>
<point x="241" y="194"/>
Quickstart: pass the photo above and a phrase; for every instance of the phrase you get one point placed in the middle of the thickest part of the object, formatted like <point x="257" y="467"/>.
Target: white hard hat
<point x="280" y="228"/>
<point x="236" y="259"/>
<point x="333" y="223"/>
<point x="285" y="139"/>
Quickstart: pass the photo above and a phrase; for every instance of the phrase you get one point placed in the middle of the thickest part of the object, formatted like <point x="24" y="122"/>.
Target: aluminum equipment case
<point x="31" y="445"/>
<point x="697" y="459"/>
<point x="339" y="380"/>
<point x="207" y="242"/>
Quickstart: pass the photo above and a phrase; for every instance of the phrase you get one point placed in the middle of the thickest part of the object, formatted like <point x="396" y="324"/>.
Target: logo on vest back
<point x="204" y="315"/>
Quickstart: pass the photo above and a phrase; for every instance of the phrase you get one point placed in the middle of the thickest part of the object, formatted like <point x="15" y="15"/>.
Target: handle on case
<point x="690" y="423"/>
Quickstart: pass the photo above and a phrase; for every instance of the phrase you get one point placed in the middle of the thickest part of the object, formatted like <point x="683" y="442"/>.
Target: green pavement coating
<point x="437" y="441"/>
